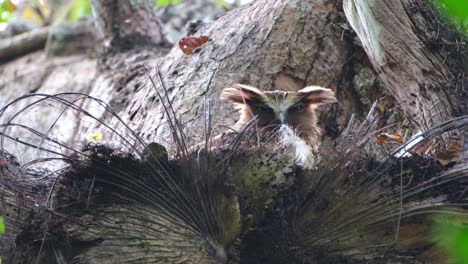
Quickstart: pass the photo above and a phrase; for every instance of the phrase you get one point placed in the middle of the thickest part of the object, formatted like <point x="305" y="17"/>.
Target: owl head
<point x="275" y="108"/>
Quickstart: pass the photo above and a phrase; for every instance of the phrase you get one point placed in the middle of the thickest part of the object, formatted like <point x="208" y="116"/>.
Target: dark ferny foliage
<point x="355" y="208"/>
<point x="96" y="201"/>
<point x="230" y="199"/>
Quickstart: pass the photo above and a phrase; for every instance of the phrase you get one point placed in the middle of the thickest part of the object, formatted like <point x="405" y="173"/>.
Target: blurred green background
<point x="455" y="11"/>
<point x="452" y="233"/>
<point x="72" y="10"/>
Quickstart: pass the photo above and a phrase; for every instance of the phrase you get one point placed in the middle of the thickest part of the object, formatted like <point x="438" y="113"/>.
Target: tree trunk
<point x="124" y="25"/>
<point x="400" y="38"/>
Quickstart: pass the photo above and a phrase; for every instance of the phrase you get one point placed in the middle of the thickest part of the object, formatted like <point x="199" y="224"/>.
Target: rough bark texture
<point x="397" y="37"/>
<point x="69" y="39"/>
<point x="124" y="25"/>
<point x="37" y="73"/>
<point x="280" y="45"/>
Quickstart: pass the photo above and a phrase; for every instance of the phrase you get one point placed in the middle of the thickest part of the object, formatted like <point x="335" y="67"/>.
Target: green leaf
<point x="79" y="9"/>
<point x="2" y="226"/>
<point x="164" y="3"/>
<point x="451" y="235"/>
<point x="96" y="136"/>
<point x="6" y="9"/>
<point x="222" y="3"/>
<point x="456" y="11"/>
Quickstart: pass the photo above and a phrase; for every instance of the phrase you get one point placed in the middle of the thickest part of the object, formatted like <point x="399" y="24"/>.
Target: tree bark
<point x="124" y="25"/>
<point x="281" y="45"/>
<point x="397" y="36"/>
<point x="23" y="44"/>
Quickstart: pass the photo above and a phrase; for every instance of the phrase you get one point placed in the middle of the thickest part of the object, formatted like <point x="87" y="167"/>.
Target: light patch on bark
<point x="364" y="23"/>
<point x="417" y="76"/>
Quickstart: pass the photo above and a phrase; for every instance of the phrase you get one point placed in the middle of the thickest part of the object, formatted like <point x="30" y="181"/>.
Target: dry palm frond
<point x="137" y="202"/>
<point x="133" y="202"/>
<point x="354" y="208"/>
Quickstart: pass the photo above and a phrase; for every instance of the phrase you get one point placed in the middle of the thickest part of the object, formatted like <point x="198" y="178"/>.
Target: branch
<point x="22" y="44"/>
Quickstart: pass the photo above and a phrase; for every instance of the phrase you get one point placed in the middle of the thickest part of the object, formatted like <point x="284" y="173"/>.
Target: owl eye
<point x="297" y="108"/>
<point x="262" y="108"/>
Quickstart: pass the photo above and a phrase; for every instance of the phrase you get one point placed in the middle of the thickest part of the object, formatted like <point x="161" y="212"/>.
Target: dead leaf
<point x="421" y="149"/>
<point x="450" y="153"/>
<point x="188" y="44"/>
<point x="385" y="138"/>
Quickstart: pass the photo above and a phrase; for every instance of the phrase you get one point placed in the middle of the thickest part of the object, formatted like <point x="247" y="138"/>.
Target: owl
<point x="292" y="114"/>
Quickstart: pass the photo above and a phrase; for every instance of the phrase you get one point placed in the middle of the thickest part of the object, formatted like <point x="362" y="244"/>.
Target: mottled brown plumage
<point x="292" y="112"/>
<point x="274" y="108"/>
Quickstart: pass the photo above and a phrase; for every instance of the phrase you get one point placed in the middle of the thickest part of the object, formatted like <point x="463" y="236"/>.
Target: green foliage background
<point x="79" y="9"/>
<point x="163" y="3"/>
<point x="2" y="231"/>
<point x="2" y="226"/>
<point x="456" y="11"/>
<point x="6" y="10"/>
<point x="451" y="233"/>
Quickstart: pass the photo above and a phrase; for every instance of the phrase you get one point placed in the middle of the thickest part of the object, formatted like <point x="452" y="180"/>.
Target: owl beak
<point x="280" y="119"/>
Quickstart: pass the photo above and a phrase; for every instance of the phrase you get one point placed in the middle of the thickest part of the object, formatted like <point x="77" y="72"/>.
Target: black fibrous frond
<point x="362" y="205"/>
<point x="365" y="208"/>
<point x="110" y="197"/>
<point x="126" y="196"/>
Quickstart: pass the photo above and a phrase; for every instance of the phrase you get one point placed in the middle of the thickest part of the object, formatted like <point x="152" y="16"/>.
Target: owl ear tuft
<point x="317" y="95"/>
<point x="240" y="94"/>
